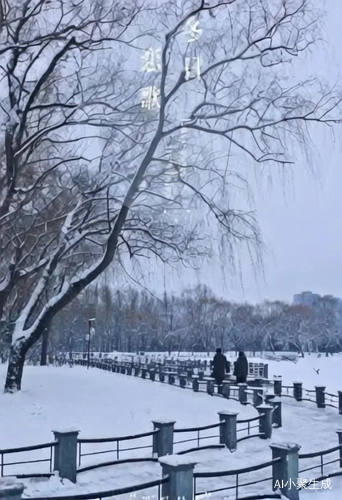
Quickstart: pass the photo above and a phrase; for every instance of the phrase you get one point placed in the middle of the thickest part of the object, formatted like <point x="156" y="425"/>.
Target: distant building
<point x="306" y="298"/>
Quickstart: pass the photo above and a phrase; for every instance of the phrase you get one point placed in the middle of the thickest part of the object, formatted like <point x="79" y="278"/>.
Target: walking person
<point x="220" y="366"/>
<point x="241" y="368"/>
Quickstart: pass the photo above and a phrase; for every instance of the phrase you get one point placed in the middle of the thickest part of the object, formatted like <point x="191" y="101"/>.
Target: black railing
<point x="117" y="449"/>
<point x="322" y="464"/>
<point x="249" y="427"/>
<point x="25" y="449"/>
<point x="237" y="485"/>
<point x="198" y="438"/>
<point x="331" y="400"/>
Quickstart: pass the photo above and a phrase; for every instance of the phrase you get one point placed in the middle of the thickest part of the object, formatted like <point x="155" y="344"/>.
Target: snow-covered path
<point x="103" y="404"/>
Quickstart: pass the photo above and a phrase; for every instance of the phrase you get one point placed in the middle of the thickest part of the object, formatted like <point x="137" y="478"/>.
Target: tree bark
<point x="15" y="368"/>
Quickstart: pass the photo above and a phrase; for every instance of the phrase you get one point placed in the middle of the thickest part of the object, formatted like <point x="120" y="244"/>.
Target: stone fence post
<point x="182" y="380"/>
<point x="285" y="472"/>
<point x="65" y="461"/>
<point x="274" y="401"/>
<point x="298" y="391"/>
<point x="10" y="489"/>
<point x="228" y="432"/>
<point x="226" y="388"/>
<point x="277" y="385"/>
<point x="180" y="470"/>
<point x="210" y="386"/>
<point x="265" y="421"/>
<point x="339" y="435"/>
<point x="242" y="393"/>
<point x="257" y="396"/>
<point x="195" y="384"/>
<point x="320" y="396"/>
<point x="163" y="439"/>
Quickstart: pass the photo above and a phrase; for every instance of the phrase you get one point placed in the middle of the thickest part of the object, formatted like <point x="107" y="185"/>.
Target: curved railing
<point x="237" y="473"/>
<point x="198" y="438"/>
<point x="117" y="450"/>
<point x="322" y="464"/>
<point x="249" y="427"/>
<point x="24" y="449"/>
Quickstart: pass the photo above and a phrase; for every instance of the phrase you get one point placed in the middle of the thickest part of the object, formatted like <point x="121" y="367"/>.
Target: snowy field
<point x="103" y="404"/>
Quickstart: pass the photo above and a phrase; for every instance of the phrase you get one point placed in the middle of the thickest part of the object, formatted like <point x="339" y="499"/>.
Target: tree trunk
<point x="15" y="368"/>
<point x="45" y="342"/>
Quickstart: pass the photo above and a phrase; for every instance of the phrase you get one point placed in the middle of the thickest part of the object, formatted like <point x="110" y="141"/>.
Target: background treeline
<point x="196" y="320"/>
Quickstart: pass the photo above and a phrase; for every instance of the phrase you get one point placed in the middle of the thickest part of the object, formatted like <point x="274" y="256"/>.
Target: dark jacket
<point x="241" y="368"/>
<point x="220" y="365"/>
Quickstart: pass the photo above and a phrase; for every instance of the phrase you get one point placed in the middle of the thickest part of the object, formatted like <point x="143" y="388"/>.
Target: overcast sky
<point x="300" y="216"/>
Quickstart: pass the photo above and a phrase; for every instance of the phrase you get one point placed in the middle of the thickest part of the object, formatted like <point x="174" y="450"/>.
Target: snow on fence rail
<point x="164" y="440"/>
<point x="180" y="481"/>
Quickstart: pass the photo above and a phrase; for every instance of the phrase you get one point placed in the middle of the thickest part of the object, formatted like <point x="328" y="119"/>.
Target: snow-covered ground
<point x="102" y="404"/>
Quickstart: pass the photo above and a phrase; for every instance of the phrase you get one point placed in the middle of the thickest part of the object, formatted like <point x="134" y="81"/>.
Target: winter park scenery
<point x="170" y="248"/>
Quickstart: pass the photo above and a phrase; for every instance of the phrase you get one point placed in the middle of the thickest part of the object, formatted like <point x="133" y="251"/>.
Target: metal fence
<point x="14" y="452"/>
<point x="237" y="485"/>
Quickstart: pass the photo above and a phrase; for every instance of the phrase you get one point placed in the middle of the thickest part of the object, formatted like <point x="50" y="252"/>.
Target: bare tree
<point x="87" y="177"/>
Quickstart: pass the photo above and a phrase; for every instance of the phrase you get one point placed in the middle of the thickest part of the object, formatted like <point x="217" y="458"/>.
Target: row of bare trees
<point x="193" y="321"/>
<point x="86" y="177"/>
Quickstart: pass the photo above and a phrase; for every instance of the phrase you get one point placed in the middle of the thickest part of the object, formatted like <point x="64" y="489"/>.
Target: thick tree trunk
<point x="15" y="368"/>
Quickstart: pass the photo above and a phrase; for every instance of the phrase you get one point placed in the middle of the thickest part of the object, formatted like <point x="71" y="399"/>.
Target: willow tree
<point x="118" y="120"/>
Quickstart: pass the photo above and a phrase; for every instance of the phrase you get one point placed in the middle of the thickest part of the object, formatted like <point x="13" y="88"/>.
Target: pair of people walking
<point x="221" y="366"/>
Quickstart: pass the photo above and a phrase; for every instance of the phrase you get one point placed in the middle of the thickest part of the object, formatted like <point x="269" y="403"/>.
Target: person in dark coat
<point x="220" y="366"/>
<point x="241" y="368"/>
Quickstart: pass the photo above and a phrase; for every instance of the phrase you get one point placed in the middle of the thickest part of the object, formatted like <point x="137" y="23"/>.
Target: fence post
<point x="285" y="472"/>
<point x="65" y="461"/>
<point x="163" y="439"/>
<point x="320" y="396"/>
<point x="339" y="434"/>
<point x="242" y="393"/>
<point x="265" y="421"/>
<point x="257" y="396"/>
<point x="195" y="384"/>
<point x="226" y="388"/>
<point x="11" y="489"/>
<point x="210" y="386"/>
<point x="340" y="402"/>
<point x="228" y="433"/>
<point x="266" y="370"/>
<point x="277" y="385"/>
<point x="298" y="391"/>
<point x="272" y="400"/>
<point x="182" y="380"/>
<point x="180" y="470"/>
